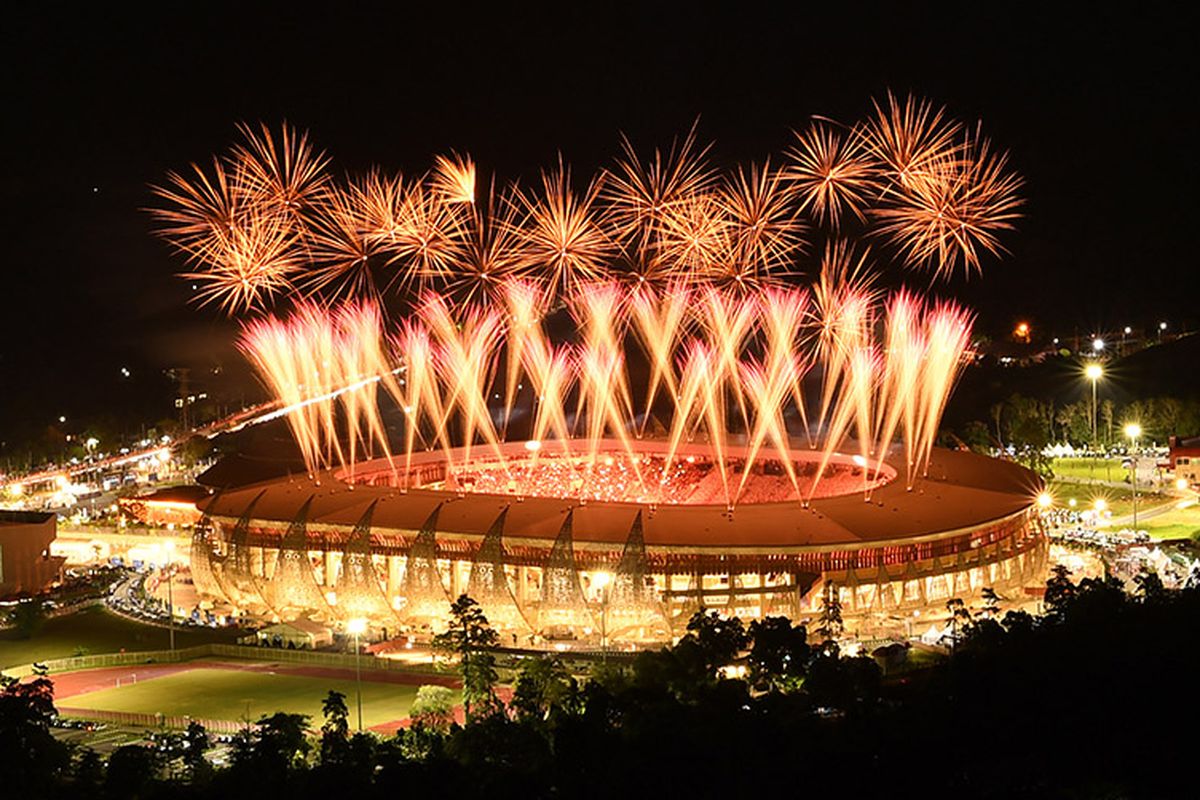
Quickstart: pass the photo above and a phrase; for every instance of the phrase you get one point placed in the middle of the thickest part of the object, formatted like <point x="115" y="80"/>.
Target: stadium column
<point x="522" y="585"/>
<point x="393" y="577"/>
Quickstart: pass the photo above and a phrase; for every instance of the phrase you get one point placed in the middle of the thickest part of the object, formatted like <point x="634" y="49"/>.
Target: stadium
<point x="596" y="406"/>
<point x="558" y="568"/>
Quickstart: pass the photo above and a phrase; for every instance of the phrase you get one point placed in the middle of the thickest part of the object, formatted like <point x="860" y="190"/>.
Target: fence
<point x="269" y="654"/>
<point x="132" y="719"/>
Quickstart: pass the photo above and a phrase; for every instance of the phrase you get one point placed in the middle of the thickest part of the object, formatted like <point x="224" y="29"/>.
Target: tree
<point x="28" y="617"/>
<point x="976" y="437"/>
<point x="335" y="731"/>
<point x="960" y="616"/>
<point x="544" y="688"/>
<point x="778" y="653"/>
<point x="469" y="637"/>
<point x="131" y="770"/>
<point x="997" y="412"/>
<point x="433" y="708"/>
<point x="30" y="757"/>
<point x="275" y="746"/>
<point x="1150" y="587"/>
<point x="991" y="602"/>
<point x="717" y="640"/>
<point x="1060" y="592"/>
<point x="1107" y="411"/>
<point x="196" y="745"/>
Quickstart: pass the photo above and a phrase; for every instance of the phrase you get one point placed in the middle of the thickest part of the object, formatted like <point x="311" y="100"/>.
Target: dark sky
<point x="1097" y="112"/>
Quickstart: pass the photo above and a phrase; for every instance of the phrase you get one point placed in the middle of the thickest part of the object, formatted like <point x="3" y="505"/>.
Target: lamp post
<point x="357" y="626"/>
<point x="1094" y="372"/>
<point x="1133" y="431"/>
<point x="602" y="580"/>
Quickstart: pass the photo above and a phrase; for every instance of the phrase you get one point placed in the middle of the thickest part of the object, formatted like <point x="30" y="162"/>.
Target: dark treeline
<point x="1091" y="699"/>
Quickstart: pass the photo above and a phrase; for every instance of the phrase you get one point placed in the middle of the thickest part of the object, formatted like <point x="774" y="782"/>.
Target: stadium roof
<point x="963" y="491"/>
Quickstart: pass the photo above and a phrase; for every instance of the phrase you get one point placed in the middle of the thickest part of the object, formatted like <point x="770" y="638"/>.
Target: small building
<point x="174" y="506"/>
<point x="300" y="634"/>
<point x="26" y="566"/>
<point x="1184" y="458"/>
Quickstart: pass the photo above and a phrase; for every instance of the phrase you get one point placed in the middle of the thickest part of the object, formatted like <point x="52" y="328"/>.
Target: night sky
<point x="1097" y="113"/>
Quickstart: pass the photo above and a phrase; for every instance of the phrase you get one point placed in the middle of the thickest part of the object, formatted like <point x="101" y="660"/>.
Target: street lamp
<point x="602" y="580"/>
<point x="1133" y="431"/>
<point x="1094" y="372"/>
<point x="357" y="626"/>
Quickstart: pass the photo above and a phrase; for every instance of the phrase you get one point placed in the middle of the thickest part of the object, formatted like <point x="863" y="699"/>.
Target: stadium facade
<point x="395" y="543"/>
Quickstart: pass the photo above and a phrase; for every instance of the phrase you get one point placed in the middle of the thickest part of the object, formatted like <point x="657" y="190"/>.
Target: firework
<point x="664" y="255"/>
<point x="833" y="173"/>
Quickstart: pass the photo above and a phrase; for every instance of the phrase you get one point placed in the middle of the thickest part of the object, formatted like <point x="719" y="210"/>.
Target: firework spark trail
<point x="727" y="321"/>
<point x="326" y="367"/>
<point x="417" y="394"/>
<point x="956" y="212"/>
<point x="768" y="389"/>
<point x="904" y="353"/>
<point x="699" y="405"/>
<point x="489" y="251"/>
<point x="911" y="140"/>
<point x="552" y="372"/>
<point x="466" y="361"/>
<point x="783" y="317"/>
<point x="285" y="174"/>
<point x="639" y="193"/>
<point x="937" y="193"/>
<point x="855" y="407"/>
<point x="948" y="335"/>
<point x="764" y="218"/>
<point x="659" y="324"/>
<point x="563" y="238"/>
<point x="454" y="178"/>
<point x="666" y="252"/>
<point x="833" y="173"/>
<point x="525" y="305"/>
<point x="604" y="398"/>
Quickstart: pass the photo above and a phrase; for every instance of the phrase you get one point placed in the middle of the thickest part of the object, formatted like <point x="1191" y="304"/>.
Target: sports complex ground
<point x="236" y="691"/>
<point x="229" y="690"/>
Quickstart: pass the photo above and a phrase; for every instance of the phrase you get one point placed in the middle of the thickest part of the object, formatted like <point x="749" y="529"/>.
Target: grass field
<point x="97" y="630"/>
<point x="1119" y="500"/>
<point x="1174" y="524"/>
<point x="1103" y="469"/>
<point x="236" y="694"/>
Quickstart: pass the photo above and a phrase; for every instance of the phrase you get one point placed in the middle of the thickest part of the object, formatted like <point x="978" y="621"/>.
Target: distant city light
<point x="1162" y="326"/>
<point x="1128" y="330"/>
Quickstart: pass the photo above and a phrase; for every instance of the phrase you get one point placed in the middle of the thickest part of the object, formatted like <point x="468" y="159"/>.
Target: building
<point x="1184" y="458"/>
<point x="26" y="566"/>
<point x="339" y="547"/>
